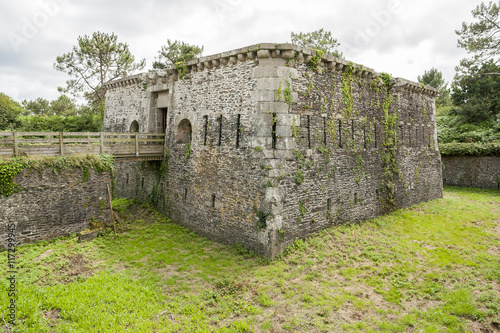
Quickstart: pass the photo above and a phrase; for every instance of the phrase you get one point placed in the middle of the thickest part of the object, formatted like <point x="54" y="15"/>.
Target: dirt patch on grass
<point x="44" y="255"/>
<point x="78" y="266"/>
<point x="495" y="250"/>
<point x="477" y="327"/>
<point x="74" y="266"/>
<point x="52" y="315"/>
<point x="167" y="271"/>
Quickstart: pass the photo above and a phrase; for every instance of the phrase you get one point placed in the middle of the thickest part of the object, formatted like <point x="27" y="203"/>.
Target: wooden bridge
<point x="133" y="146"/>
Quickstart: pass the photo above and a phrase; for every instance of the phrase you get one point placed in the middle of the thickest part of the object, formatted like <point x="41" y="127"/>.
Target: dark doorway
<point x="164" y="113"/>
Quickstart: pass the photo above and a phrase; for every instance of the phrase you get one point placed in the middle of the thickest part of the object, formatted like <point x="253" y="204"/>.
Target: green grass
<point x="432" y="268"/>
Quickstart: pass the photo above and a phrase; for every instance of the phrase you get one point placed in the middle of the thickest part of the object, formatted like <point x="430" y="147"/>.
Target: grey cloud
<point x="222" y="25"/>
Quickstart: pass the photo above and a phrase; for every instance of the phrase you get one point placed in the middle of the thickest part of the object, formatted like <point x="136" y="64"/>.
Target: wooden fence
<point x="69" y="143"/>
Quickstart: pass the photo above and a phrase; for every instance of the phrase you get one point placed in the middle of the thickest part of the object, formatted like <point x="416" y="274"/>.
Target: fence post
<point x="16" y="148"/>
<point x="101" y="150"/>
<point x="61" y="143"/>
<point x="136" y="143"/>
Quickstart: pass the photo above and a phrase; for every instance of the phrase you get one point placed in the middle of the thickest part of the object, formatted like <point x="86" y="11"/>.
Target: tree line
<point x="468" y="110"/>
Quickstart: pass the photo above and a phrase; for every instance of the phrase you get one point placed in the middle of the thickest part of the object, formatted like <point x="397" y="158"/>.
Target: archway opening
<point x="134" y="127"/>
<point x="184" y="132"/>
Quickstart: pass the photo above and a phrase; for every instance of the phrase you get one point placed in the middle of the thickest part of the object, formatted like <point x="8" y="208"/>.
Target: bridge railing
<point x="69" y="143"/>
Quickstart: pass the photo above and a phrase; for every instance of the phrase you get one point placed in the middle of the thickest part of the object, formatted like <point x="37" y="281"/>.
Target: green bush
<point x="470" y="149"/>
<point x="450" y="129"/>
<point x="42" y="123"/>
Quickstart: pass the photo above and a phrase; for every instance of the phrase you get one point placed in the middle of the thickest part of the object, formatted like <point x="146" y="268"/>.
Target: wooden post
<point x="111" y="208"/>
<point x="61" y="143"/>
<point x="16" y="148"/>
<point x="102" y="143"/>
<point x="136" y="143"/>
<point x="88" y="140"/>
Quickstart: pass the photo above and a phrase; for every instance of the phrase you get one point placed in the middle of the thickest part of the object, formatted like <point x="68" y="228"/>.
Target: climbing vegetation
<point x="9" y="168"/>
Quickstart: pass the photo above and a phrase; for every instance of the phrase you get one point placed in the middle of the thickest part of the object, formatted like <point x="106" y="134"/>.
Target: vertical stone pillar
<point x="273" y="123"/>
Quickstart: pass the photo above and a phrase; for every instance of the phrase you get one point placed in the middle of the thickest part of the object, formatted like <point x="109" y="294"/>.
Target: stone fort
<point x="272" y="142"/>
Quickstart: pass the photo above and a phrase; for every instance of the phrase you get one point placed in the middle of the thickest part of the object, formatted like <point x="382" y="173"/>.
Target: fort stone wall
<point x="473" y="171"/>
<point x="50" y="204"/>
<point x="269" y="143"/>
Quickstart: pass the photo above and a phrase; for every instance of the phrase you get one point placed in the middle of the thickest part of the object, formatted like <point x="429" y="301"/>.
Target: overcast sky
<point x="400" y="37"/>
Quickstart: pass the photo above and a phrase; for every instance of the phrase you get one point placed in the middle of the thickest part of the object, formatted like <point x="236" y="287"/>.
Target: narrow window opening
<point x="364" y="135"/>
<point x="324" y="131"/>
<point x="238" y="124"/>
<point x="126" y="179"/>
<point x="205" y="130"/>
<point x="340" y="133"/>
<point x="164" y="113"/>
<point x="142" y="185"/>
<point x="309" y="131"/>
<point x="377" y="193"/>
<point x="329" y="204"/>
<point x="352" y="130"/>
<point x="273" y="131"/>
<point x="213" y="200"/>
<point x="185" y="193"/>
<point x="375" y="133"/>
<point x="220" y="131"/>
<point x="355" y="198"/>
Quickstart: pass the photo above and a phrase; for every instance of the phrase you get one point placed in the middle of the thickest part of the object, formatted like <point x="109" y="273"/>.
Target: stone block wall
<point x="269" y="143"/>
<point x="128" y="105"/>
<point x="472" y="171"/>
<point x="337" y="173"/>
<point x="51" y="205"/>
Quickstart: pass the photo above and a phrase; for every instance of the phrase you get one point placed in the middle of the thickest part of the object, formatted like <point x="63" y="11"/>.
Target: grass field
<point x="432" y="268"/>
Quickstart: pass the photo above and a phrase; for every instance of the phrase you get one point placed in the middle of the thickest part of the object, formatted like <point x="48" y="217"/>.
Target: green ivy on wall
<point x="187" y="151"/>
<point x="9" y="168"/>
<point x="316" y="60"/>
<point x="7" y="173"/>
<point x="181" y="69"/>
<point x="389" y="153"/>
<point x="347" y="98"/>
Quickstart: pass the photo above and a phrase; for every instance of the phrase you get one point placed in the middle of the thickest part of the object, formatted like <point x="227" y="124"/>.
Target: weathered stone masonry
<point x="269" y="143"/>
<point x="474" y="171"/>
<point x="52" y="204"/>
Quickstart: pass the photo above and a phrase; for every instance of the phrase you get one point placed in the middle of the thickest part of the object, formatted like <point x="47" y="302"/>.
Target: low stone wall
<point x="51" y="205"/>
<point x="139" y="180"/>
<point x="473" y="171"/>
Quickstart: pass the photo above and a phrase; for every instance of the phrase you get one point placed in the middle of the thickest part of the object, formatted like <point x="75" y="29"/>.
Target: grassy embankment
<point x="434" y="267"/>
